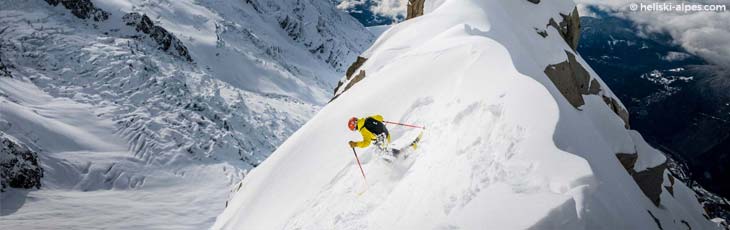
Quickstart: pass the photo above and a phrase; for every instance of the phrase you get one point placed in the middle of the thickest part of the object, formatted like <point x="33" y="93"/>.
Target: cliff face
<point x="83" y="9"/>
<point x="166" y="40"/>
<point x="414" y="9"/>
<point x="19" y="166"/>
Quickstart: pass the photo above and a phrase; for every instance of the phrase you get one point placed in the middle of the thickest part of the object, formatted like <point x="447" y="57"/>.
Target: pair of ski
<point x="413" y="144"/>
<point x="391" y="155"/>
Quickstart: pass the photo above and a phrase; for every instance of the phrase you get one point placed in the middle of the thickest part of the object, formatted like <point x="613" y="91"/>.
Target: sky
<point x="705" y="34"/>
<point x="386" y="8"/>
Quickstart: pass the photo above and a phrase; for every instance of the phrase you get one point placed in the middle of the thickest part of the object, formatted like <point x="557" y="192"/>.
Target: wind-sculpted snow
<point x="503" y="148"/>
<point x="126" y="131"/>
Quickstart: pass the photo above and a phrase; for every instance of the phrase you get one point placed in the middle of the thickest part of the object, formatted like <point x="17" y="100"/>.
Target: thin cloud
<point x="705" y="34"/>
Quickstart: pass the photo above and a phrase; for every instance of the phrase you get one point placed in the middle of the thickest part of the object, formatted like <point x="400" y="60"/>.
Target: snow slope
<point x="132" y="136"/>
<point x="503" y="148"/>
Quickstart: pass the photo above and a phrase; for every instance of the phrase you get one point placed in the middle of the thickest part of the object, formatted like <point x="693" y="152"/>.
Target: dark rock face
<point x="166" y="40"/>
<point x="4" y="72"/>
<point x="349" y="75"/>
<point x="534" y="1"/>
<point x="569" y="27"/>
<point x="83" y="9"/>
<point x="415" y="8"/>
<point x="649" y="180"/>
<point x="19" y="166"/>
<point x="356" y="79"/>
<point x="573" y="82"/>
<point x="618" y="109"/>
<point x="571" y="79"/>
<point x="355" y="65"/>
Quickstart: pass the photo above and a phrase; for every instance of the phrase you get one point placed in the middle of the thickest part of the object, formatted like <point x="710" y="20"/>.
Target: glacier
<point x="144" y="114"/>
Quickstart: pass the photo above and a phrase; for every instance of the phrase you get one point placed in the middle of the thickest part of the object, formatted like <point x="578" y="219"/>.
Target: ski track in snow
<point x="482" y="162"/>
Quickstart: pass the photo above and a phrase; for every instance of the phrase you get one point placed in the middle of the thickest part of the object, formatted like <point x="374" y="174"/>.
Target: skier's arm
<point x="365" y="142"/>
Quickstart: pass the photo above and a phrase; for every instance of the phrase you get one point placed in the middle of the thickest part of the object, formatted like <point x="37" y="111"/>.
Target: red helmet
<point x="352" y="124"/>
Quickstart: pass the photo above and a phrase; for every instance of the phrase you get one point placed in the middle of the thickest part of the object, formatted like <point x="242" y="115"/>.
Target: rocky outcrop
<point x="83" y="9"/>
<point x="569" y="27"/>
<point x="349" y="76"/>
<point x="619" y="110"/>
<point x="650" y="180"/>
<point x="534" y="1"/>
<point x="164" y="39"/>
<point x="355" y="65"/>
<point x="4" y="71"/>
<point x="571" y="79"/>
<point x="19" y="166"/>
<point x="414" y="9"/>
<point x="360" y="75"/>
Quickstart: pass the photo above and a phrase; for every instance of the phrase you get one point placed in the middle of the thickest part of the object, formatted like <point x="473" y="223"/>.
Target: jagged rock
<point x="542" y="33"/>
<point x="166" y="40"/>
<point x="628" y="160"/>
<point x="571" y="79"/>
<point x="618" y="109"/>
<point x="19" y="166"/>
<point x="649" y="180"/>
<point x="4" y="72"/>
<point x="612" y="103"/>
<point x="357" y="78"/>
<point x="83" y="9"/>
<point x="415" y="8"/>
<point x="349" y="75"/>
<point x="534" y="1"/>
<point x="569" y="28"/>
<point x="355" y="65"/>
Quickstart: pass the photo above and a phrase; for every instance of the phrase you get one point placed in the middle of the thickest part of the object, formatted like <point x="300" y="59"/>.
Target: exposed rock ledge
<point x="650" y="180"/>
<point x="166" y="40"/>
<point x="573" y="81"/>
<point x="83" y="9"/>
<point x="349" y="76"/>
<point x="415" y="8"/>
<point x="569" y="27"/>
<point x="19" y="166"/>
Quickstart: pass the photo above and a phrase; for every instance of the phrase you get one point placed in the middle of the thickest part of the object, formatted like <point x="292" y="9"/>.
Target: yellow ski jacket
<point x="370" y="135"/>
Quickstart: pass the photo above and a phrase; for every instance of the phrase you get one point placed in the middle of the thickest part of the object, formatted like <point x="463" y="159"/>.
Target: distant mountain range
<point x="672" y="95"/>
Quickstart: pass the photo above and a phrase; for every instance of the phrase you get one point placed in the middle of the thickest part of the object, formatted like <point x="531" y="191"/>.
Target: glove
<point x="353" y="144"/>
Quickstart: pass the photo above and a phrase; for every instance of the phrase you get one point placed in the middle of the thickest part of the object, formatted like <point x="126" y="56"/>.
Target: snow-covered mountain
<point x="143" y="113"/>
<point x="521" y="133"/>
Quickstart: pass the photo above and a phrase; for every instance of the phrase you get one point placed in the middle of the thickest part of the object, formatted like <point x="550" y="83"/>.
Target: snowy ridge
<point x="125" y="130"/>
<point x="504" y="149"/>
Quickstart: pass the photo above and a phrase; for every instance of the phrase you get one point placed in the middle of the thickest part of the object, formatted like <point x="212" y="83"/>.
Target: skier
<point x="372" y="129"/>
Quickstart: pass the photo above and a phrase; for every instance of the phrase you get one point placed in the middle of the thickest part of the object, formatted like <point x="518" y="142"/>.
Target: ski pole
<point x="358" y="164"/>
<point x="407" y="125"/>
